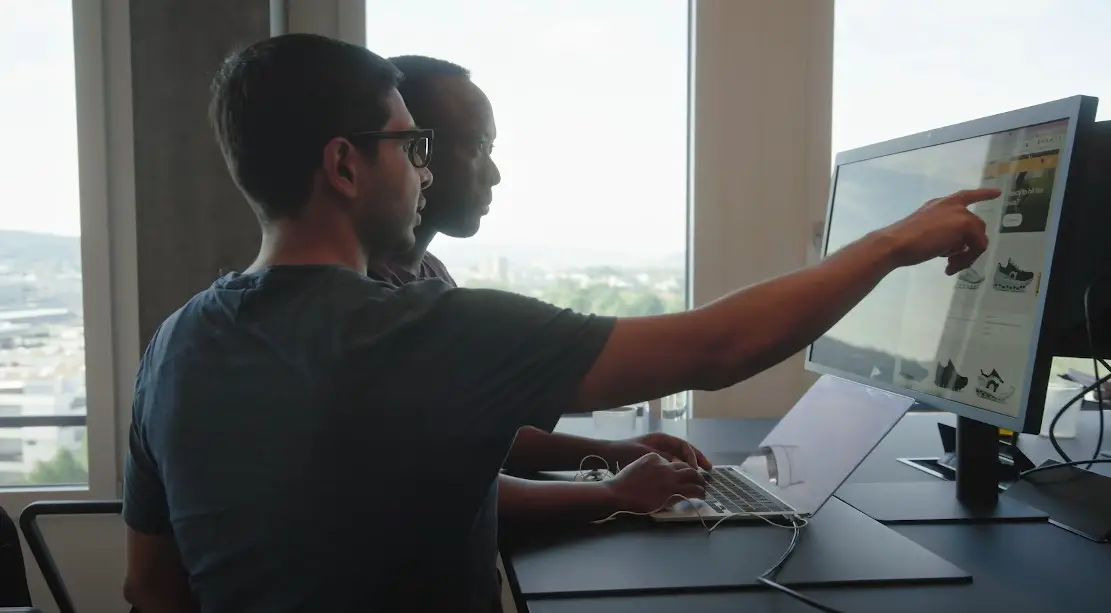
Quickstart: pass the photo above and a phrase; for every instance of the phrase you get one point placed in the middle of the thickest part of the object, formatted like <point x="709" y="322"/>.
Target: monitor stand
<point x="967" y="490"/>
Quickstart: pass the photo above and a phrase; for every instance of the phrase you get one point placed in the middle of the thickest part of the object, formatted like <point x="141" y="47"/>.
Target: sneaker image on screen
<point x="947" y="377"/>
<point x="969" y="278"/>
<point x="913" y="370"/>
<point x="1011" y="278"/>
<point x="991" y="386"/>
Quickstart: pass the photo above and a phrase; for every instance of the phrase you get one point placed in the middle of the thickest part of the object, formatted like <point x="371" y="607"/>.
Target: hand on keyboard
<point x="651" y="482"/>
<point x="675" y="449"/>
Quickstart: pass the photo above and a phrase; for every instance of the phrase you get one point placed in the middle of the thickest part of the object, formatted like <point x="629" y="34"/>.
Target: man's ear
<point x="340" y="166"/>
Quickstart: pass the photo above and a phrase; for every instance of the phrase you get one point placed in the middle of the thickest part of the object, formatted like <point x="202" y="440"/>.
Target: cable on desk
<point x="767" y="579"/>
<point x="797" y="524"/>
<point x="1096" y="361"/>
<point x="1038" y="469"/>
<point x="1098" y="385"/>
<point x="1096" y="372"/>
<point x="797" y="596"/>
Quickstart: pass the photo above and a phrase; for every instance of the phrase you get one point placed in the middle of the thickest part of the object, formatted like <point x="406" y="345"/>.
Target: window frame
<point x="102" y="82"/>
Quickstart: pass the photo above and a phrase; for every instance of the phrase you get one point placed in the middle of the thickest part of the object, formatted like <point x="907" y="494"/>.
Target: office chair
<point x="14" y="595"/>
<point x="28" y="523"/>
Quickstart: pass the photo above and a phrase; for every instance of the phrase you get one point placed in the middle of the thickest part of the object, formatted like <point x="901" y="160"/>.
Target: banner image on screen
<point x="966" y="337"/>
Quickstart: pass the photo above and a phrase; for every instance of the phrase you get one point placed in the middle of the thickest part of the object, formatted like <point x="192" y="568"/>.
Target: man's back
<point x="313" y="466"/>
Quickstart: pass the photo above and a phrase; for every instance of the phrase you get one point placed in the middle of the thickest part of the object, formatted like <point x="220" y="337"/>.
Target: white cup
<point x="619" y="422"/>
<point x="675" y="406"/>
<point x="1057" y="394"/>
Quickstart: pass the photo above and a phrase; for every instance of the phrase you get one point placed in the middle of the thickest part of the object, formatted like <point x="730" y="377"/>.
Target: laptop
<point x="804" y="459"/>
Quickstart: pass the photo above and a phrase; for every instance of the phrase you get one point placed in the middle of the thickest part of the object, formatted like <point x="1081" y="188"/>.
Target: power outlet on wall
<point x="817" y="232"/>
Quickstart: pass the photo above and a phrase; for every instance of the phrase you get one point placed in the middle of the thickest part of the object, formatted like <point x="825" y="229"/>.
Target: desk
<point x="1018" y="568"/>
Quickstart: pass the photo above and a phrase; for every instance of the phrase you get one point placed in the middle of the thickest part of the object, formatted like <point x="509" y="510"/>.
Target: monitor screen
<point x="966" y="338"/>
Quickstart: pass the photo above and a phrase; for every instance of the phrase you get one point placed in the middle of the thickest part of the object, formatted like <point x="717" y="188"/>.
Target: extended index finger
<point x="966" y="197"/>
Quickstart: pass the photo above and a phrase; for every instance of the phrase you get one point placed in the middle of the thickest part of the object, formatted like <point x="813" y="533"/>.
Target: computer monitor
<point x="977" y="344"/>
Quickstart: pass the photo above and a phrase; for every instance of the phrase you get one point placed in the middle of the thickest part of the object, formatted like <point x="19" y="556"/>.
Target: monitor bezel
<point x="1080" y="112"/>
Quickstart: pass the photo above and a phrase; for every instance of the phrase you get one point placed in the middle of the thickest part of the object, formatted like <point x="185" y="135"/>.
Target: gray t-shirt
<point x="319" y="441"/>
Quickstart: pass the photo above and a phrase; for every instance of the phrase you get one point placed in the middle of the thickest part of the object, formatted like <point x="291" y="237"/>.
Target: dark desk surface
<point x="1016" y="567"/>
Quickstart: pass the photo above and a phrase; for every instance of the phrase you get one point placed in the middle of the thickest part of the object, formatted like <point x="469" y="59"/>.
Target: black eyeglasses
<point x="418" y="142"/>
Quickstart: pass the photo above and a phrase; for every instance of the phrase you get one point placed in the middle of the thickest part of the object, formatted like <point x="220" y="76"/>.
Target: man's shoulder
<point x="431" y="260"/>
<point x="435" y="268"/>
<point x="397" y="275"/>
<point x="290" y="305"/>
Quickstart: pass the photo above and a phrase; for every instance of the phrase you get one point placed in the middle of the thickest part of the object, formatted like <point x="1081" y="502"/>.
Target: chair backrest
<point x="13" y="572"/>
<point x="32" y="532"/>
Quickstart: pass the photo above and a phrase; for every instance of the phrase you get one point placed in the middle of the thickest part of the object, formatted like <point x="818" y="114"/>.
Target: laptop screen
<point x="821" y="441"/>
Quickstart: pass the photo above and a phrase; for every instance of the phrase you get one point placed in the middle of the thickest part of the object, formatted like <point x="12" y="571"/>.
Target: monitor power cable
<point x="1056" y="465"/>
<point x="768" y="577"/>
<point x="1097" y="386"/>
<point x="1079" y="397"/>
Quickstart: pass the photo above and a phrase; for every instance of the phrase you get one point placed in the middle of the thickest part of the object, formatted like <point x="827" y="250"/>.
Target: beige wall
<point x="763" y="74"/>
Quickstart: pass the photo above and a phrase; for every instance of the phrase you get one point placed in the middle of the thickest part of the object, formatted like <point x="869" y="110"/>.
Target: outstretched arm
<point x="738" y="336"/>
<point x="562" y="500"/>
<point x="512" y="361"/>
<point x="535" y="449"/>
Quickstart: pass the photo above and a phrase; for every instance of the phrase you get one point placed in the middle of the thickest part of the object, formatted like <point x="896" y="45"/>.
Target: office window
<point x="900" y="68"/>
<point x="42" y="352"/>
<point x="590" y="101"/>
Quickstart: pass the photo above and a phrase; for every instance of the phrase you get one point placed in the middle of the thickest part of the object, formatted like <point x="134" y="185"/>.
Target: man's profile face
<point x="462" y="164"/>
<point x="389" y="189"/>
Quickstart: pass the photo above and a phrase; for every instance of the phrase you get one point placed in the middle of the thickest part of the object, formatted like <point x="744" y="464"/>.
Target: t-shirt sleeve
<point x="144" y="500"/>
<point x="499" y="360"/>
<point x="145" y="508"/>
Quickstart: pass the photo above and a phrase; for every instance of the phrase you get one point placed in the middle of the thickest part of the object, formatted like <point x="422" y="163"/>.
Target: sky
<point x="38" y="118"/>
<point x="590" y="97"/>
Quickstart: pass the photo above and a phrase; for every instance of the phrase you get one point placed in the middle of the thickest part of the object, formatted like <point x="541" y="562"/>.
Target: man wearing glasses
<point x="304" y="438"/>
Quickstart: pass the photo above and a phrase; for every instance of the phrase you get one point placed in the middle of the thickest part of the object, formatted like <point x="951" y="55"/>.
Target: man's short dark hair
<point x="277" y="103"/>
<point x="418" y="73"/>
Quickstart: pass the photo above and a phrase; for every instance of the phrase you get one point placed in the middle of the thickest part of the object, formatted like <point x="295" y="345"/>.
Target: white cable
<point x="582" y="464"/>
<point x="802" y="521"/>
<point x="797" y="522"/>
<point x="583" y="474"/>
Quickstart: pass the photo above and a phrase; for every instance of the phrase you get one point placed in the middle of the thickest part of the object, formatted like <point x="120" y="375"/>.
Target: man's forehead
<point x="462" y="105"/>
<point x="400" y="118"/>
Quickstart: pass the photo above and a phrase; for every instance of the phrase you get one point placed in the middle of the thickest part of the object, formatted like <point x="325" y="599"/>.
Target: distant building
<point x="22" y="448"/>
<point x="36" y="316"/>
<point x="42" y="372"/>
<point x="496" y="269"/>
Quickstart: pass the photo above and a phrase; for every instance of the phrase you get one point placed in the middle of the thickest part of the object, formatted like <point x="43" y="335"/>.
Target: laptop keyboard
<point x="729" y="492"/>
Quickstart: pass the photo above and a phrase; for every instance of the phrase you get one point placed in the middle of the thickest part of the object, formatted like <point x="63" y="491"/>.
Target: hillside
<point x="26" y="250"/>
<point x="34" y="249"/>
